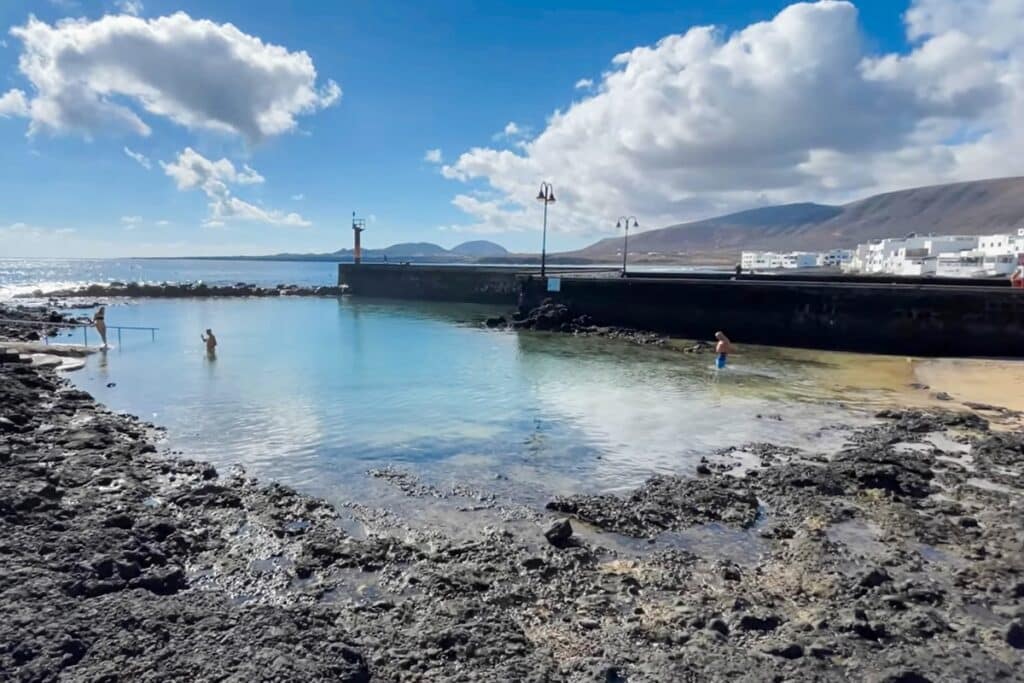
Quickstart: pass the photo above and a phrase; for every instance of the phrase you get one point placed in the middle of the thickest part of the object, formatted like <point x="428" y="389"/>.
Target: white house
<point x="941" y="255"/>
<point x="770" y="260"/>
<point x="800" y="259"/>
<point x="913" y="255"/>
<point x="760" y="260"/>
<point x="835" y="258"/>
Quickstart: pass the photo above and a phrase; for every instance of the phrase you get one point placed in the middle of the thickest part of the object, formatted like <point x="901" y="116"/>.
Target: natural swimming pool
<point x="313" y="392"/>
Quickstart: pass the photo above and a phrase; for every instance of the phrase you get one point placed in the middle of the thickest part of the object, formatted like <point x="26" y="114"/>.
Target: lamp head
<point x="546" y="194"/>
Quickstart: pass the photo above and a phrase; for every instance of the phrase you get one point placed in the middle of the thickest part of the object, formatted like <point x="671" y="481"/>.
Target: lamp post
<point x="546" y="195"/>
<point x="624" y="222"/>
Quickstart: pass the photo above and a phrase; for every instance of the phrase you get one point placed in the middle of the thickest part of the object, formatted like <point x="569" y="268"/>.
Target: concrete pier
<point x="921" y="319"/>
<point x="894" y="315"/>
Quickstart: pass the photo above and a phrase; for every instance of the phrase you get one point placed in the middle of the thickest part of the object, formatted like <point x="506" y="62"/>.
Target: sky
<point x="160" y="128"/>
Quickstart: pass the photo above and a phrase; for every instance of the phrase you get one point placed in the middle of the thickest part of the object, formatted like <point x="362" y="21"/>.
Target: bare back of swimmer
<point x="723" y="347"/>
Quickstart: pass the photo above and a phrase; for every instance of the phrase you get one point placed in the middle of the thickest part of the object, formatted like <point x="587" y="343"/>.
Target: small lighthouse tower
<point x="358" y="225"/>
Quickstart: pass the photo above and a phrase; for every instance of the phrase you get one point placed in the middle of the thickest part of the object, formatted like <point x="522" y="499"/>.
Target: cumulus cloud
<point x="92" y="77"/>
<point x="193" y="171"/>
<point x="13" y="103"/>
<point x="795" y="108"/>
<point x="584" y="84"/>
<point x="140" y="158"/>
<point x="433" y="156"/>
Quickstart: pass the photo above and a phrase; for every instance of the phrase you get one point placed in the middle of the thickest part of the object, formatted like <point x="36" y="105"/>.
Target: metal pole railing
<point x="85" y="328"/>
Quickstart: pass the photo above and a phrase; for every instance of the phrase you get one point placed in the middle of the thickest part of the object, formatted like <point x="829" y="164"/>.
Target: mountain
<point x="969" y="208"/>
<point x="479" y="249"/>
<point x="424" y="252"/>
<point x="406" y="250"/>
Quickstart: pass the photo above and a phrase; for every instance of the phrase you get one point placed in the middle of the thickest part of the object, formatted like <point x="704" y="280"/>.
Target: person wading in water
<point x="100" y="321"/>
<point x="723" y="348"/>
<point x="211" y="343"/>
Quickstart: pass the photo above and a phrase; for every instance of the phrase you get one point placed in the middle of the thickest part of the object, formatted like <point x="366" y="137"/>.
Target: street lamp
<point x="546" y="195"/>
<point x="624" y="222"/>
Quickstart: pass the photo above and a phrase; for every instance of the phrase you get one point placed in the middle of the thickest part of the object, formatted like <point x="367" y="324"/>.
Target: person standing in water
<point x="100" y="322"/>
<point x="723" y="348"/>
<point x="211" y="343"/>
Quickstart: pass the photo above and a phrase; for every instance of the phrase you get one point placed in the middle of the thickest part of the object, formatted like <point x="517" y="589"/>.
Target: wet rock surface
<point x="893" y="559"/>
<point x="39" y="322"/>
<point x="185" y="290"/>
<point x="665" y="503"/>
<point x="552" y="316"/>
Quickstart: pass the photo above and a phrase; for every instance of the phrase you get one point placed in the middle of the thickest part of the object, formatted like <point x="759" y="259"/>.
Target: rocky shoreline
<point x="183" y="290"/>
<point x="552" y="316"/>
<point x="898" y="558"/>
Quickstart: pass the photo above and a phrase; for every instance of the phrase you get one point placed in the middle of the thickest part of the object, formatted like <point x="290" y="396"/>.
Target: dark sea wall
<point x="431" y="283"/>
<point x="900" y="319"/>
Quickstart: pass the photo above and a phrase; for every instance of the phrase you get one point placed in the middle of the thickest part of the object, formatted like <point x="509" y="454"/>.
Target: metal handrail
<point x="85" y="328"/>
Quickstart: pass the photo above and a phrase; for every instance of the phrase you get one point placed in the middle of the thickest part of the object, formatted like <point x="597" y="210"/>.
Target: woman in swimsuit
<point x="723" y="348"/>
<point x="99" y="320"/>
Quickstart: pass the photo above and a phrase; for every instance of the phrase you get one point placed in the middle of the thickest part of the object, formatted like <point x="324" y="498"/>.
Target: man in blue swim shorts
<point x="723" y="348"/>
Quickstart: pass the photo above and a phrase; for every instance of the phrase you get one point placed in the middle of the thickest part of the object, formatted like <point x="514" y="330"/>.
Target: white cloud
<point x="433" y="156"/>
<point x="132" y="7"/>
<point x="298" y="197"/>
<point x="13" y="103"/>
<point x="584" y="84"/>
<point x="193" y="171"/>
<point x="131" y="220"/>
<point x="792" y="109"/>
<point x="163" y="223"/>
<point x="142" y="159"/>
<point x="511" y="131"/>
<point x="93" y="77"/>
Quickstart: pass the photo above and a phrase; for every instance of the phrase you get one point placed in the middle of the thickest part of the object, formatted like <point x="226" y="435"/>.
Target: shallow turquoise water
<point x="314" y="392"/>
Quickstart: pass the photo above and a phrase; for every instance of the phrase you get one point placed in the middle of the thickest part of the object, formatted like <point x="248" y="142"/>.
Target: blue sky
<point x="417" y="76"/>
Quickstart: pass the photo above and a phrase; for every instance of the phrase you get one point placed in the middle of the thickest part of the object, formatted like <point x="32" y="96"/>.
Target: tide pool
<point x="314" y="392"/>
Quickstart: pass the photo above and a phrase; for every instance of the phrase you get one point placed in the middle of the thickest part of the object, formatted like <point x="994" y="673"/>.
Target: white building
<point x="913" y="255"/>
<point x="941" y="255"/>
<point x="800" y="259"/>
<point x="835" y="258"/>
<point x="760" y="260"/>
<point x="770" y="260"/>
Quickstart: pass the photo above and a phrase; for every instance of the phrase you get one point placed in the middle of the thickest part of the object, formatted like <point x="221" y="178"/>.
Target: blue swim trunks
<point x="720" y="361"/>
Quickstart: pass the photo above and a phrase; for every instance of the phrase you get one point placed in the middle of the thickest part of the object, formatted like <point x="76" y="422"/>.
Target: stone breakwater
<point x="897" y="558"/>
<point x="184" y="290"/>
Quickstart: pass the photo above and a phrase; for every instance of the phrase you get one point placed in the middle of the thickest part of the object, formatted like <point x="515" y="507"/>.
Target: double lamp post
<point x="547" y="196"/>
